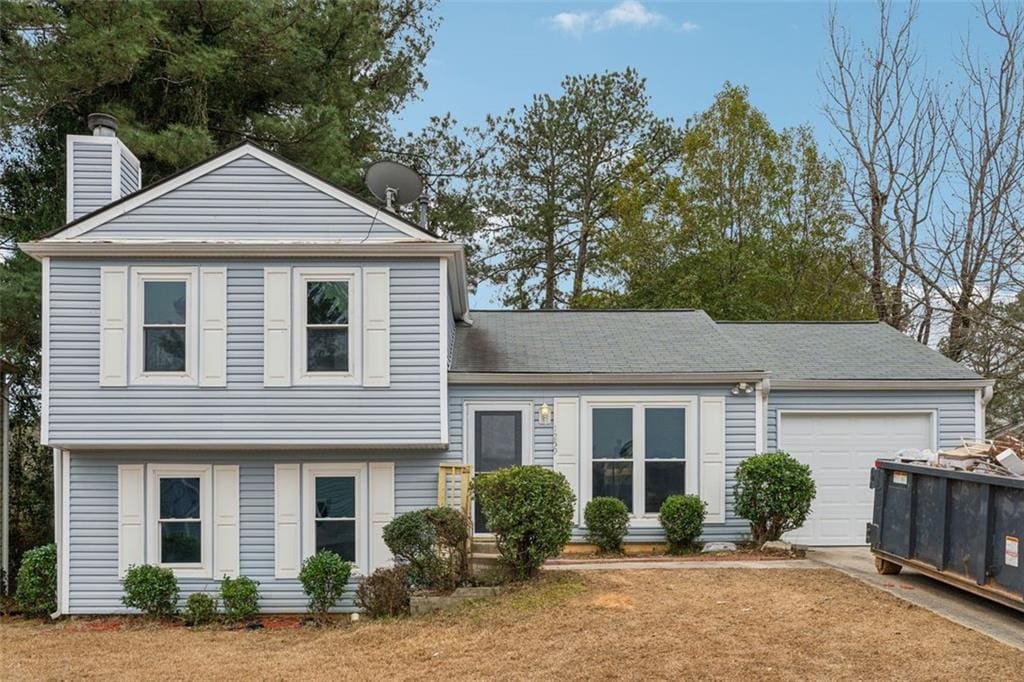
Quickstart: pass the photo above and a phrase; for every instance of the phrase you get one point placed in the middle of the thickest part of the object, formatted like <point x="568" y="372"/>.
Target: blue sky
<point x="490" y="56"/>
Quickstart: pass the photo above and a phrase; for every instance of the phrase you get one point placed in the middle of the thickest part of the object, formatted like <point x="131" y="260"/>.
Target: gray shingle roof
<point x="648" y="341"/>
<point x="851" y="350"/>
<point x="688" y="341"/>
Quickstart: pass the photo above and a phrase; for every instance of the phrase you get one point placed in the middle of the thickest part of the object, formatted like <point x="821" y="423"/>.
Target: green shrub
<point x="385" y="592"/>
<point x="682" y="517"/>
<point x="323" y="577"/>
<point x="241" y="598"/>
<point x="200" y="609"/>
<point x="151" y="589"/>
<point x="432" y="542"/>
<point x="36" y="594"/>
<point x="607" y="520"/>
<point x="774" y="492"/>
<point x="529" y="509"/>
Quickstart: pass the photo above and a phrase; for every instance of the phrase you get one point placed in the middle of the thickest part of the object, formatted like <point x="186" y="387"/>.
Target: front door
<point x="497" y="443"/>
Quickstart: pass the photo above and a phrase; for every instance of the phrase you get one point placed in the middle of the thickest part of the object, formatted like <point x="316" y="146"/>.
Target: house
<point x="244" y="363"/>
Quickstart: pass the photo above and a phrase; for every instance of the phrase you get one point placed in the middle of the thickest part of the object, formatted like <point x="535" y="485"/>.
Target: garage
<point x="841" y="448"/>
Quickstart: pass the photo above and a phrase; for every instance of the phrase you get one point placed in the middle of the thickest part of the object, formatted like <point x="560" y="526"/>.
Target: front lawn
<point x="718" y="623"/>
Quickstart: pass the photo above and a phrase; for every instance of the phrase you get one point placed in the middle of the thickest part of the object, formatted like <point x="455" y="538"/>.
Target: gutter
<point x="523" y="378"/>
<point x="883" y="384"/>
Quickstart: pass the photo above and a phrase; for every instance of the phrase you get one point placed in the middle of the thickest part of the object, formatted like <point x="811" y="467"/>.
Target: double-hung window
<point x="640" y="452"/>
<point x="180" y="513"/>
<point x="335" y="511"/>
<point x="327" y="309"/>
<point x="165" y="334"/>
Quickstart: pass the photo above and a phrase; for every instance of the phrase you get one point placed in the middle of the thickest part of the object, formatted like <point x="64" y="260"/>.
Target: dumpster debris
<point x="1001" y="457"/>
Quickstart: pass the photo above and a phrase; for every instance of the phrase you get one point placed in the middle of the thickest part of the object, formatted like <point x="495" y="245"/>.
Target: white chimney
<point x="100" y="169"/>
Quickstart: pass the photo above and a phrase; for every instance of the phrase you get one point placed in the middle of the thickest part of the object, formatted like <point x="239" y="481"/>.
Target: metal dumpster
<point x="962" y="528"/>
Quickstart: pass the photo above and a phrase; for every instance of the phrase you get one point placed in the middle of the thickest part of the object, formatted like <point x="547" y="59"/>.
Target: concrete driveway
<point x="995" y="620"/>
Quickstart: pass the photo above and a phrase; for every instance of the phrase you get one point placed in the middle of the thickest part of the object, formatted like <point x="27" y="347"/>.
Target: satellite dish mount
<point x="393" y="183"/>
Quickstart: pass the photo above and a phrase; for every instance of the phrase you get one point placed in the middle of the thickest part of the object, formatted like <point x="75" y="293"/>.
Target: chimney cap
<point x="98" y="120"/>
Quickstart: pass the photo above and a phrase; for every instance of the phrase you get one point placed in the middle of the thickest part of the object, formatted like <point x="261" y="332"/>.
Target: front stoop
<point x="483" y="556"/>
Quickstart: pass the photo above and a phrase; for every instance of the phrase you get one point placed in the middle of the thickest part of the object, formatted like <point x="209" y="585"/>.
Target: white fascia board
<point x="608" y="378"/>
<point x="881" y="384"/>
<point x="133" y="448"/>
<point x="159" y="190"/>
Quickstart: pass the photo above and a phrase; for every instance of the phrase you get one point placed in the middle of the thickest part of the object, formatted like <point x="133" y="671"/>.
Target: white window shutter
<point x="712" y="457"/>
<point x="131" y="516"/>
<point x="114" y="326"/>
<point x="567" y="444"/>
<point x="225" y="521"/>
<point x="213" y="326"/>
<point x="376" y="326"/>
<point x="277" y="324"/>
<point x="382" y="510"/>
<point x="287" y="510"/>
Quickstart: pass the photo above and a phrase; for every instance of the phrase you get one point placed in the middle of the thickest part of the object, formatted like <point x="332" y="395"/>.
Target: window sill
<point x="327" y="379"/>
<point x="168" y="379"/>
<point x="188" y="570"/>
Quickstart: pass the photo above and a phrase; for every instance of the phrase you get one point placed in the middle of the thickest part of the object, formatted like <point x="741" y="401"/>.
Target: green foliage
<point x="323" y="577"/>
<point x="36" y="594"/>
<point x="200" y="609"/>
<point x="774" y="492"/>
<point x="529" y="509"/>
<point x="682" y="517"/>
<point x="432" y="542"/>
<point x="385" y="592"/>
<point x="151" y="589"/>
<point x="751" y="227"/>
<point x="31" y="487"/>
<point x="241" y="598"/>
<point x="607" y="521"/>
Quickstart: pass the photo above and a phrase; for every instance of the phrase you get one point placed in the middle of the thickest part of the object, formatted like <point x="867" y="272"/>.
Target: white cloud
<point x="628" y="14"/>
<point x="689" y="26"/>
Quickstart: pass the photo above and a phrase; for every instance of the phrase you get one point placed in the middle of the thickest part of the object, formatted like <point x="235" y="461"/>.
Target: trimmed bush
<point x="607" y="520"/>
<point x="323" y="577"/>
<point x="432" y="542"/>
<point x="151" y="589"/>
<point x="774" y="492"/>
<point x="200" y="609"/>
<point x="385" y="592"/>
<point x="682" y="517"/>
<point x="529" y="509"/>
<point x="36" y="594"/>
<point x="241" y="598"/>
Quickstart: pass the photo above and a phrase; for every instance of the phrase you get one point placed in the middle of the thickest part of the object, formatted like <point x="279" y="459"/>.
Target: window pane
<point x="335" y="496"/>
<point x="180" y="542"/>
<point x="164" y="302"/>
<point x="665" y="429"/>
<point x="337" y="536"/>
<point x="661" y="480"/>
<point x="498" y="439"/>
<point x="613" y="433"/>
<point x="179" y="498"/>
<point x="614" y="479"/>
<point x="327" y="302"/>
<point x="327" y="350"/>
<point x="165" y="349"/>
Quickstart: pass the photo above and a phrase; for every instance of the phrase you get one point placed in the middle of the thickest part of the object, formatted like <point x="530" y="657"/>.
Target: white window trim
<point x="469" y="410"/>
<point x="204" y="473"/>
<point x="310" y="472"/>
<point x="637" y="404"/>
<point x="353" y="276"/>
<point x="141" y="275"/>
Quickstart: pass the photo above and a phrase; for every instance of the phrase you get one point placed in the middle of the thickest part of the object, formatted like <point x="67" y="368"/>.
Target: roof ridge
<point x="585" y="310"/>
<point x="836" y="322"/>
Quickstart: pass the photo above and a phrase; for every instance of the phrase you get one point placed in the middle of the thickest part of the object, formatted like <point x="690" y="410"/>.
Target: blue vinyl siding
<point x="739" y="433"/>
<point x="955" y="408"/>
<point x="245" y="199"/>
<point x="92" y="176"/>
<point x="95" y="585"/>
<point x="408" y="412"/>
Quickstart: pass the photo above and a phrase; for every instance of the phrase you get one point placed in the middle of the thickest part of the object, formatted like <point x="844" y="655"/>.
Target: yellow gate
<point x="453" y="486"/>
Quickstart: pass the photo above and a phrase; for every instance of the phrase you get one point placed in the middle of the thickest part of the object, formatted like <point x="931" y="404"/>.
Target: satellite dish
<point x="393" y="183"/>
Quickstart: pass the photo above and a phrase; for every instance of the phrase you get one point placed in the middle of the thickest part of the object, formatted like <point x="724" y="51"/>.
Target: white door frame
<point x="933" y="415"/>
<point x="469" y="410"/>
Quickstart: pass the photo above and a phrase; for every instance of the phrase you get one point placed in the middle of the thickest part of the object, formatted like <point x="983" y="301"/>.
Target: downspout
<point x="58" y="530"/>
<point x="761" y="391"/>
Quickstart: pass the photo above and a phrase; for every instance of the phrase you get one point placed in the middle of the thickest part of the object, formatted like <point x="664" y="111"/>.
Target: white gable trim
<point x="216" y="162"/>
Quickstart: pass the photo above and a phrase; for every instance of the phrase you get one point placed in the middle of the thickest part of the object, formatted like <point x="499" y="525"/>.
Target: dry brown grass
<point x="717" y="623"/>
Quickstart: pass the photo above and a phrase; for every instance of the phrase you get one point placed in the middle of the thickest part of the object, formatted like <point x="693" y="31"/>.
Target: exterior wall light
<point x="544" y="414"/>
<point x="742" y="387"/>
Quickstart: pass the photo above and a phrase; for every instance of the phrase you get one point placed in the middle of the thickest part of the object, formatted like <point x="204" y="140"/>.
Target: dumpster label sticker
<point x="1012" y="557"/>
<point x="899" y="478"/>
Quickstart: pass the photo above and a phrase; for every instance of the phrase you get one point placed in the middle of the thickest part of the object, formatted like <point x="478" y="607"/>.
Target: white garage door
<point x="841" y="448"/>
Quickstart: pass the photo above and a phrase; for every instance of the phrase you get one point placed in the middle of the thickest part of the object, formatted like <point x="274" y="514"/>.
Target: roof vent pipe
<point x="102" y="125"/>
<point x="424" y="203"/>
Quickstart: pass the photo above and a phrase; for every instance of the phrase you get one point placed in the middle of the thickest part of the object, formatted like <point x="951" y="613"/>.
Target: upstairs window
<point x="327" y="328"/>
<point x="164" y="332"/>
